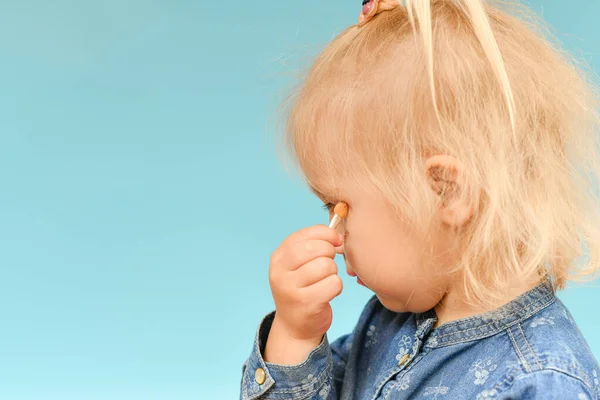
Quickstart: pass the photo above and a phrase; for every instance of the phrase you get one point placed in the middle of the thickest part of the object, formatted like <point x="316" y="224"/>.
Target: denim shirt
<point x="530" y="348"/>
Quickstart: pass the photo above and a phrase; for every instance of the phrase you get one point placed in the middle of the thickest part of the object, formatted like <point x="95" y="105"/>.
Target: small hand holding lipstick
<point x="304" y="278"/>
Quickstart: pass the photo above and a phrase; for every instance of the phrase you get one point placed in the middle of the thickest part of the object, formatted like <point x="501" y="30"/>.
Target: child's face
<point x="405" y="272"/>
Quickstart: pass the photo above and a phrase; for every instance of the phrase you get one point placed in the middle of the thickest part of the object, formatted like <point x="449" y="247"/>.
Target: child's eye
<point x="329" y="207"/>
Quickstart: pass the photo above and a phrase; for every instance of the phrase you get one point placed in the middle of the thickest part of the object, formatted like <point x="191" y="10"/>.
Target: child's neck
<point x="453" y="306"/>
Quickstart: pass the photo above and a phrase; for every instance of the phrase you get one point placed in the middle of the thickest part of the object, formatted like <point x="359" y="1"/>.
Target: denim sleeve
<point x="547" y="385"/>
<point x="315" y="378"/>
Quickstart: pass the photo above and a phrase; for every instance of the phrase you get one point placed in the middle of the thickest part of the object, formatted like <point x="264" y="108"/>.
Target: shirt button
<point x="260" y="376"/>
<point x="403" y="360"/>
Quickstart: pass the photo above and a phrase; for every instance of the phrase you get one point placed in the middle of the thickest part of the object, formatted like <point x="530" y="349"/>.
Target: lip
<point x="353" y="274"/>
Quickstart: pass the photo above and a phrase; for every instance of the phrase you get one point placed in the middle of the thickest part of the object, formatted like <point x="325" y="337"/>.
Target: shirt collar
<point x="487" y="324"/>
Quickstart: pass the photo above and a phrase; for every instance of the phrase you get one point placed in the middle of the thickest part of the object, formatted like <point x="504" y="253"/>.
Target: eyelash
<point x="328" y="207"/>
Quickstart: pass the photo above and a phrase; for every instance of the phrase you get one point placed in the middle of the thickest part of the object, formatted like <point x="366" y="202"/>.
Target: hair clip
<point x="370" y="8"/>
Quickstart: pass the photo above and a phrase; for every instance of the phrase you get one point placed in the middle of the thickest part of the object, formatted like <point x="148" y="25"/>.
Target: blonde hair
<point x="485" y="84"/>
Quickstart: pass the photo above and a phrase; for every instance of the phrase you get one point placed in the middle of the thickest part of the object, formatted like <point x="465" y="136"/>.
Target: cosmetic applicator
<point x="340" y="212"/>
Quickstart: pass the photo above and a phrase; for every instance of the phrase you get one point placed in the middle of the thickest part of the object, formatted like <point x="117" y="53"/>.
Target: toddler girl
<point x="465" y="145"/>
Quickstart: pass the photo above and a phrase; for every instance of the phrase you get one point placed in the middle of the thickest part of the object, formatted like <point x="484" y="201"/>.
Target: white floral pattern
<point x="432" y="341"/>
<point x="482" y="370"/>
<point x="404" y="383"/>
<point x="421" y="329"/>
<point x="511" y="365"/>
<point x="325" y="391"/>
<point x="371" y="336"/>
<point x="485" y="367"/>
<point x="436" y="391"/>
<point x="404" y="347"/>
<point x="486" y="394"/>
<point x="542" y="321"/>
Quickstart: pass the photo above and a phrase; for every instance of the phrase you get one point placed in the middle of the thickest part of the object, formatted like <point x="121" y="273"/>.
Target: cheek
<point x="363" y="249"/>
<point x="384" y="251"/>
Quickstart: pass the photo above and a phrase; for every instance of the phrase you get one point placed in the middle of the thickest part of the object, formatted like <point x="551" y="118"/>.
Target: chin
<point x="400" y="306"/>
<point x="393" y="305"/>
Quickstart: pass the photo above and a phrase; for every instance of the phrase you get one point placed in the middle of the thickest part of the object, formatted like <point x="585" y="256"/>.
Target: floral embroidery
<point x="421" y="329"/>
<point x="325" y="391"/>
<point x="511" y="365"/>
<point x="399" y="385"/>
<point x="436" y="390"/>
<point x="404" y="383"/>
<point x="486" y="394"/>
<point x="372" y="337"/>
<point x="542" y="321"/>
<point x="405" y="343"/>
<point x="432" y="341"/>
<point x="596" y="381"/>
<point x="482" y="370"/>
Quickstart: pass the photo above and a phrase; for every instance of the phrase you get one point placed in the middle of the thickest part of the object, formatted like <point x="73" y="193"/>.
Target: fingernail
<point x="341" y="237"/>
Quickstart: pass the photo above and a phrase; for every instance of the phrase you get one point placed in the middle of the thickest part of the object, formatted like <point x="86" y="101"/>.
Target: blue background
<point x="142" y="195"/>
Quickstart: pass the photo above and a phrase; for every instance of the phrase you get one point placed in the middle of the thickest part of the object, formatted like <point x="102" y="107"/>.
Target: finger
<point x="292" y="256"/>
<point x="315" y="271"/>
<point x="325" y="290"/>
<point x="317" y="232"/>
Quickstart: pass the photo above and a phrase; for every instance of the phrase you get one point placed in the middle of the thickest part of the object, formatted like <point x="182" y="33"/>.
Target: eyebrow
<point x="316" y="192"/>
<point x="321" y="195"/>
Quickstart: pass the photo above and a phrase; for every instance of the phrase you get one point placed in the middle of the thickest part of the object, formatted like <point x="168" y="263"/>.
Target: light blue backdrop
<point x="141" y="194"/>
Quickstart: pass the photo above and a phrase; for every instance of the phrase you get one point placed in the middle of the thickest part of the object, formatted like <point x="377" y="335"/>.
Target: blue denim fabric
<point x="528" y="349"/>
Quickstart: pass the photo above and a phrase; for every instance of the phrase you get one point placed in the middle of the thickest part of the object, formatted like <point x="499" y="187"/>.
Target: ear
<point x="447" y="178"/>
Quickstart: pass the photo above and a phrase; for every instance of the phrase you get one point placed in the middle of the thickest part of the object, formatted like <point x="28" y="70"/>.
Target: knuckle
<point x="337" y="285"/>
<point x="328" y="264"/>
<point x="276" y="256"/>
<point x="331" y="250"/>
<point x="326" y="249"/>
<point x="325" y="262"/>
<point x="334" y="267"/>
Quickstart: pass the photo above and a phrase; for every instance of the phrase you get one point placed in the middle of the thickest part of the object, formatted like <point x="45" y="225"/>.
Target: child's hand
<point x="303" y="278"/>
